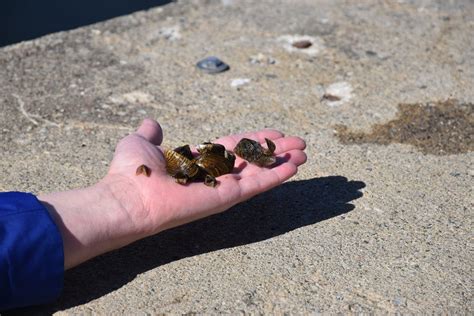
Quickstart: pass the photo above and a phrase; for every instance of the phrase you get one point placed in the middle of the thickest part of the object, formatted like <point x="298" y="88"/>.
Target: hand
<point x="124" y="207"/>
<point x="164" y="204"/>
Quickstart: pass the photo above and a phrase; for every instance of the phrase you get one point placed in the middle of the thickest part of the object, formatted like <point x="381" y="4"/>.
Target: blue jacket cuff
<point x="31" y="252"/>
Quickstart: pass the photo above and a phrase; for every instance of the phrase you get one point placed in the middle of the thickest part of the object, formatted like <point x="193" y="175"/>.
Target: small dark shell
<point x="180" y="167"/>
<point x="253" y="152"/>
<point x="143" y="169"/>
<point x="212" y="65"/>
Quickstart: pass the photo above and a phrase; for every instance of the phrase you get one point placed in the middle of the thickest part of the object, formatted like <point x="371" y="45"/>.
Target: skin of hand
<point x="123" y="207"/>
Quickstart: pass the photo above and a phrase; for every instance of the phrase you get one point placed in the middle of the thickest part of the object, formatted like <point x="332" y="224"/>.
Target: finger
<point x="151" y="131"/>
<point x="288" y="143"/>
<point x="266" y="179"/>
<point x="231" y="141"/>
<point x="295" y="157"/>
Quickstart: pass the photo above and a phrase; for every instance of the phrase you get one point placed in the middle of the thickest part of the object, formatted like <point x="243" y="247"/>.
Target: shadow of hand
<point x="290" y="206"/>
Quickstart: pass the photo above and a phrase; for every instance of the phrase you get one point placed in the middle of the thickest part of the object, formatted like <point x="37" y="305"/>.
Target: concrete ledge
<point x="363" y="227"/>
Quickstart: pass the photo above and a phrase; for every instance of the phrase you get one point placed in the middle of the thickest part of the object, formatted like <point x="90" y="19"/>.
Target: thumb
<point x="151" y="131"/>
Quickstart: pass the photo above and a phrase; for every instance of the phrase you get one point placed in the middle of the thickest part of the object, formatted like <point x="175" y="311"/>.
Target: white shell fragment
<point x="170" y="33"/>
<point x="235" y="83"/>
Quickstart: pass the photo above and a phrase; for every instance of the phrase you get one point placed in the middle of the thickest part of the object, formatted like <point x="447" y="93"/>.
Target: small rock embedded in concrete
<point x="338" y="93"/>
<point x="302" y="44"/>
<point x="212" y="65"/>
<point x="235" y="83"/>
<point x="331" y="97"/>
<point x="262" y="59"/>
<point x="370" y="53"/>
<point x="171" y="33"/>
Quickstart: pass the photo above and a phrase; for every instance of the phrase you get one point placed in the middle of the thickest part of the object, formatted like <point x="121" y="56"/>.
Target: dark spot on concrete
<point x="370" y="53"/>
<point x="302" y="44"/>
<point x="438" y="128"/>
<point x="331" y="97"/>
<point x="271" y="76"/>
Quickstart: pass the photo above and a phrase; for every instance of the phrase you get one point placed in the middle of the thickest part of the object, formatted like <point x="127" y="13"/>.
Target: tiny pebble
<point x="331" y="97"/>
<point x="370" y="53"/>
<point x="338" y="93"/>
<point x="239" y="82"/>
<point x="212" y="65"/>
<point x="262" y="59"/>
<point x="306" y="44"/>
<point x="302" y="44"/>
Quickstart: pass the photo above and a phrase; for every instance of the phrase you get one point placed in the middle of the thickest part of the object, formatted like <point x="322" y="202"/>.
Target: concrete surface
<point x="361" y="228"/>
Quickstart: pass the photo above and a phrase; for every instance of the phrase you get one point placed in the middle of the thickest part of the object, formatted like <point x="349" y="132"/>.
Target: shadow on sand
<point x="283" y="209"/>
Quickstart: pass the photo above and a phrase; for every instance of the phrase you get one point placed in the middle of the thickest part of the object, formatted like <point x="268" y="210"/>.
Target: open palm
<point x="160" y="203"/>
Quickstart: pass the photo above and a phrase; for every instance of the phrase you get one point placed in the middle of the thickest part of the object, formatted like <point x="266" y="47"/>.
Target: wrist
<point x="91" y="221"/>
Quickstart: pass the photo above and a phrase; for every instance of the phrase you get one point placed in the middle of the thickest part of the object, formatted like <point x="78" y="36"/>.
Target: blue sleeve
<point x="31" y="252"/>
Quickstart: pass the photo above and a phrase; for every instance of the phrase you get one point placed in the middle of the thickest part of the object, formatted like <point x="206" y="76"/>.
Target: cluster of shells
<point x="212" y="161"/>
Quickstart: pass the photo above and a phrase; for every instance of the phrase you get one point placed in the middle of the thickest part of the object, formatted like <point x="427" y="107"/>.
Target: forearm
<point x="91" y="222"/>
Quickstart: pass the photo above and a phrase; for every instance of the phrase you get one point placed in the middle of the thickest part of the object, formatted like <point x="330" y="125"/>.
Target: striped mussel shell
<point x="215" y="159"/>
<point x="179" y="165"/>
<point x="255" y="153"/>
